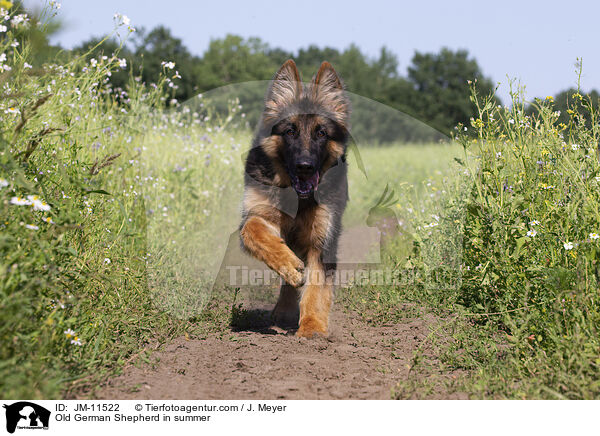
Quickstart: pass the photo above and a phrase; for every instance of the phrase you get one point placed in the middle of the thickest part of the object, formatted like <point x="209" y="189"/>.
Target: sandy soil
<point x="261" y="361"/>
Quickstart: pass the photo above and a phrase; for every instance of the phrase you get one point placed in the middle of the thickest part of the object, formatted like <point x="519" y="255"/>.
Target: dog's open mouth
<point x="305" y="187"/>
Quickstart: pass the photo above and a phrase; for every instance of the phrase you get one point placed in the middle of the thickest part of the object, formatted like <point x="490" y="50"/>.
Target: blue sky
<point x="536" y="42"/>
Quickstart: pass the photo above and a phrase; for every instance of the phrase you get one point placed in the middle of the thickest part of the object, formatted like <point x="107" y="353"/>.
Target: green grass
<point x="513" y="260"/>
<point x="74" y="297"/>
<point x="405" y="168"/>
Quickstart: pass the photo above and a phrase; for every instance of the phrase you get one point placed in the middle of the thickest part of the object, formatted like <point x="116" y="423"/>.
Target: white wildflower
<point x="18" y="19"/>
<point x="38" y="204"/>
<point x="20" y="201"/>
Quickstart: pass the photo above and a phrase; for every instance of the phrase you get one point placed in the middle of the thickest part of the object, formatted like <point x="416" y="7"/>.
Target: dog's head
<point x="305" y="126"/>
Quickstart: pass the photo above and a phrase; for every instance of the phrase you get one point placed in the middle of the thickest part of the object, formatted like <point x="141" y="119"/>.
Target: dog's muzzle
<point x="305" y="178"/>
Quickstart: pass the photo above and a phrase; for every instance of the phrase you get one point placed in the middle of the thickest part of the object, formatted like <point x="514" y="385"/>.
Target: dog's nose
<point x="305" y="169"/>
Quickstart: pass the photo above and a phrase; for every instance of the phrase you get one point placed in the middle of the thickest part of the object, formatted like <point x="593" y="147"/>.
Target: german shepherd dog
<point x="296" y="190"/>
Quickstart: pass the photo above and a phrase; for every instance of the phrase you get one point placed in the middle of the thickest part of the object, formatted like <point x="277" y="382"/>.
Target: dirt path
<point x="356" y="361"/>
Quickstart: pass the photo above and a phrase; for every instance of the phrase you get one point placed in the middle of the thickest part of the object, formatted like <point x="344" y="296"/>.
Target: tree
<point x="233" y="60"/>
<point x="435" y="92"/>
<point x="441" y="83"/>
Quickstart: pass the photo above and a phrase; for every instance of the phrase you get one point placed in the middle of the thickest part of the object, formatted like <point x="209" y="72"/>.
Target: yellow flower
<point x="550" y="98"/>
<point x="5" y="4"/>
<point x="478" y="123"/>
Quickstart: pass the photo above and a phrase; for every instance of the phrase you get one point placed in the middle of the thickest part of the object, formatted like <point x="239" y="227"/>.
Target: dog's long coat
<point x="296" y="191"/>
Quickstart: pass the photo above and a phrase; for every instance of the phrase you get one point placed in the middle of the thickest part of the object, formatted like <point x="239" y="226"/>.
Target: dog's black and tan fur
<point x="296" y="191"/>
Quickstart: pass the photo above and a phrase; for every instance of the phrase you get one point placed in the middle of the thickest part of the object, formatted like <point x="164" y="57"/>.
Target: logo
<point x="26" y="415"/>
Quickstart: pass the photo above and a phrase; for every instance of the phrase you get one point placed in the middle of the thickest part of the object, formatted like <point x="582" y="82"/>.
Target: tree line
<point x="428" y="102"/>
<point x="435" y="90"/>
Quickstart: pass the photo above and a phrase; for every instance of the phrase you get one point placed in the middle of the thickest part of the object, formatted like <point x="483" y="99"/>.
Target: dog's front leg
<point x="315" y="302"/>
<point x="261" y="238"/>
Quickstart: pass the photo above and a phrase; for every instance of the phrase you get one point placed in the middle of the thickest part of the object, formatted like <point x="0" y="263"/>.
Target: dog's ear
<point x="285" y="88"/>
<point x="327" y="79"/>
<point x="328" y="90"/>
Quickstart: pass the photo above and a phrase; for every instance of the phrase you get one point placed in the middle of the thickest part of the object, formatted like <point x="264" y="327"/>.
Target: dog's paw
<point x="286" y="317"/>
<point x="311" y="327"/>
<point x="293" y="272"/>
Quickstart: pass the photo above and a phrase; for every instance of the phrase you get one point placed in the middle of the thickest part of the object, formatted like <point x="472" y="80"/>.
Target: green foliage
<point x="566" y="104"/>
<point x="232" y="60"/>
<point x="532" y="215"/>
<point x="73" y="295"/>
<point x="441" y="83"/>
<point x="507" y="254"/>
<point x="34" y="32"/>
<point x="435" y="91"/>
<point x="530" y="249"/>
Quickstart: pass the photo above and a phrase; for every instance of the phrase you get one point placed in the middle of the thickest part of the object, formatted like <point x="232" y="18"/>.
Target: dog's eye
<point x="321" y="133"/>
<point x="290" y="132"/>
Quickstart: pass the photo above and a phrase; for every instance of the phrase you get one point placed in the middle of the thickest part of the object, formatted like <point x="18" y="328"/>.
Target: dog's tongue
<point x="304" y="187"/>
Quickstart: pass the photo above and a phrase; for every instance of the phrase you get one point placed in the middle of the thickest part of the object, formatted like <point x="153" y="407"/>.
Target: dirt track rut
<point x="356" y="361"/>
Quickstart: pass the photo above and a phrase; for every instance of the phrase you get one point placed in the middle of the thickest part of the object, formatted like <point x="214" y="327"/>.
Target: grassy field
<point x="116" y="213"/>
